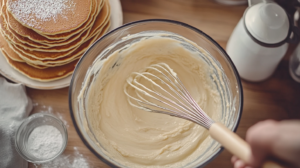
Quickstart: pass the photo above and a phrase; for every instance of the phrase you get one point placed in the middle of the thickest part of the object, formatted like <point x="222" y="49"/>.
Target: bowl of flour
<point x="41" y="138"/>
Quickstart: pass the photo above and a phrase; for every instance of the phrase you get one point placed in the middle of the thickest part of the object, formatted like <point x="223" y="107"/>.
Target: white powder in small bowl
<point x="45" y="142"/>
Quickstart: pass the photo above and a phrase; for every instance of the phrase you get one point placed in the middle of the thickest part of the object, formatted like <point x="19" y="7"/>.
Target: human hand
<point x="280" y="140"/>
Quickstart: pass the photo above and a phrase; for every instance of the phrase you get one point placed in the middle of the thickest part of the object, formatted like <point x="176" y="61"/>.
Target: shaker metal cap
<point x="267" y="23"/>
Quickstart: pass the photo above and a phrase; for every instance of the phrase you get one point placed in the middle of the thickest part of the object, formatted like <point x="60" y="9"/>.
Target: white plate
<point x="10" y="73"/>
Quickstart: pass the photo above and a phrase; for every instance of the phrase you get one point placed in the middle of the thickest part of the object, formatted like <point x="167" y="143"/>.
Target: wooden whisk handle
<point x="234" y="144"/>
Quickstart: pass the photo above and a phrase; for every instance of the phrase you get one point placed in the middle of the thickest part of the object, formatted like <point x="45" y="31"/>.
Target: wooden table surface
<point x="276" y="98"/>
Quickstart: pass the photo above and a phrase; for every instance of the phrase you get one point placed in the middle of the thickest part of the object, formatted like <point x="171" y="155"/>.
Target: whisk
<point x="158" y="89"/>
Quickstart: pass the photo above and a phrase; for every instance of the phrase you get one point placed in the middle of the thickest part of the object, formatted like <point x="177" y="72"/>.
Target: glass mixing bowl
<point x="115" y="40"/>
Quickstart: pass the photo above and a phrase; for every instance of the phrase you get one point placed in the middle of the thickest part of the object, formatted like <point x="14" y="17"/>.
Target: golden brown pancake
<point x="46" y="56"/>
<point x="4" y="48"/>
<point x="5" y="26"/>
<point x="10" y="36"/>
<point x="4" y="45"/>
<point x="35" y="66"/>
<point x="51" y="63"/>
<point x="62" y="48"/>
<point x="55" y="17"/>
<point x="32" y="45"/>
<point x="29" y="33"/>
<point x="102" y="18"/>
<point x="99" y="4"/>
<point x="18" y="28"/>
<point x="58" y="48"/>
<point x="63" y="60"/>
<point x="43" y="75"/>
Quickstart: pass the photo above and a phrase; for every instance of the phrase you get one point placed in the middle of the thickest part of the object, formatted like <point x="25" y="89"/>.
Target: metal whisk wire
<point x="174" y="99"/>
<point x="176" y="102"/>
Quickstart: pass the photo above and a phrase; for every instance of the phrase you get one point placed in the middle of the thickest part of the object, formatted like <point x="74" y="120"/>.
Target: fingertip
<point x="234" y="159"/>
<point x="239" y="164"/>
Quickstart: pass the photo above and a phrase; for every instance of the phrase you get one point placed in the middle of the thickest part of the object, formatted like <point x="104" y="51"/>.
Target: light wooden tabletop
<point x="276" y="98"/>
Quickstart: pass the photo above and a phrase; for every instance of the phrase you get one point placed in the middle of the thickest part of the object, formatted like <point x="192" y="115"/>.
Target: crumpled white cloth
<point x="14" y="107"/>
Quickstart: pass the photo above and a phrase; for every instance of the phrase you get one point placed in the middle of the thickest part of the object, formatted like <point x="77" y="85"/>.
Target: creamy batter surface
<point x="136" y="138"/>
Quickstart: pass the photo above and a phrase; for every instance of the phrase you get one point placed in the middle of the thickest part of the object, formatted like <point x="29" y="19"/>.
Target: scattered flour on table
<point x="75" y="160"/>
<point x="45" y="141"/>
<point x="49" y="109"/>
<point x="34" y="104"/>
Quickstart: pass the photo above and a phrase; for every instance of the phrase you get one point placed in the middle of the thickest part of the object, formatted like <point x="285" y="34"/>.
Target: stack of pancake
<point x="43" y="39"/>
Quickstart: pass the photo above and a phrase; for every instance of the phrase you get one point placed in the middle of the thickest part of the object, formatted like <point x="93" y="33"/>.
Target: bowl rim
<point x="32" y="118"/>
<point x="236" y="74"/>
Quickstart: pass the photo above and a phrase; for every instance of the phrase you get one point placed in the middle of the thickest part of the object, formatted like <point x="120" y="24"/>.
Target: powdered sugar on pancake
<point x="35" y="12"/>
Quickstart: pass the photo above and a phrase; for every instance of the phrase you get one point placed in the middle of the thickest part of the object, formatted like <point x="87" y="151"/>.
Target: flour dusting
<point x="75" y="160"/>
<point x="45" y="142"/>
<point x="49" y="109"/>
<point x="34" y="12"/>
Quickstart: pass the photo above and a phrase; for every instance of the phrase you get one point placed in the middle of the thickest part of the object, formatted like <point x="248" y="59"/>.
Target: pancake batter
<point x="136" y="138"/>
